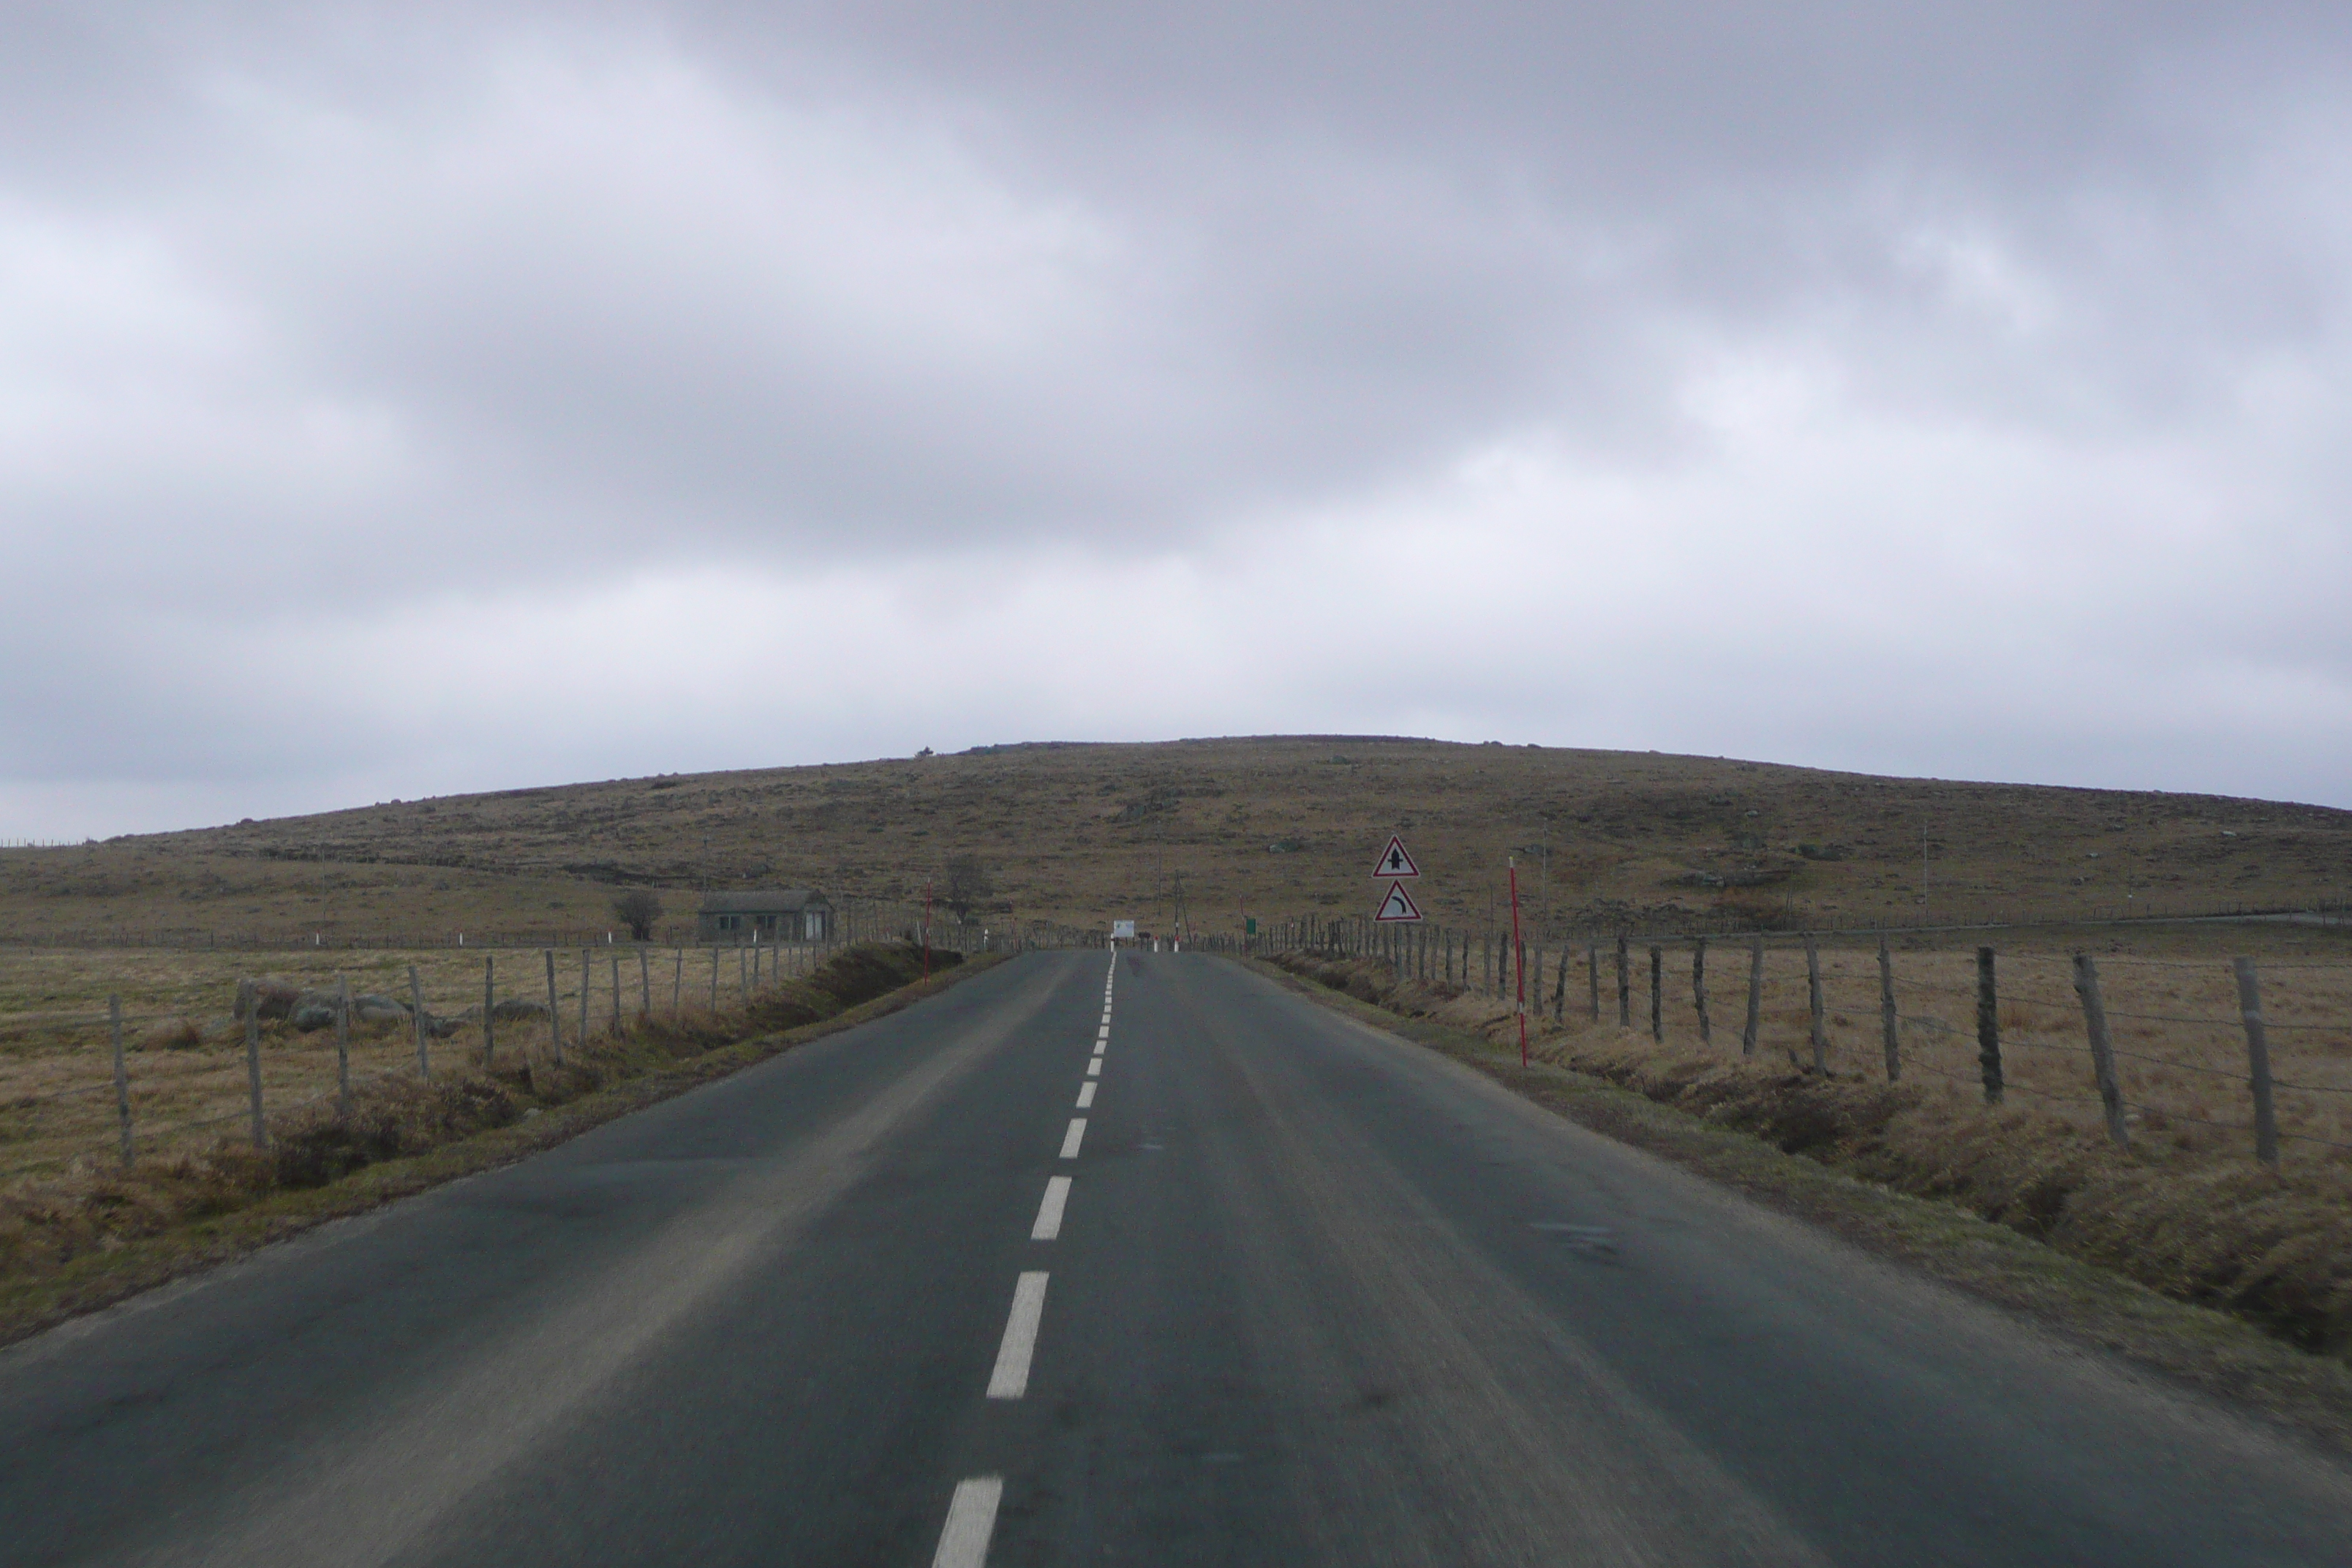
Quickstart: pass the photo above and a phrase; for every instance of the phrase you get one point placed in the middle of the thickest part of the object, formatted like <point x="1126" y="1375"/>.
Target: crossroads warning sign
<point x="1398" y="908"/>
<point x="1395" y="862"/>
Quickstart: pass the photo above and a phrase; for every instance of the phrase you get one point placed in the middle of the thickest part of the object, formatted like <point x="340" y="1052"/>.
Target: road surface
<point x="1158" y="1264"/>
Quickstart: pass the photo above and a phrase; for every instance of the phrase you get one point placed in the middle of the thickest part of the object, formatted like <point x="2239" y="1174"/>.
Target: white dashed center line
<point x="1049" y="1212"/>
<point x="971" y="1519"/>
<point x="1011" y="1378"/>
<point x="971" y="1515"/>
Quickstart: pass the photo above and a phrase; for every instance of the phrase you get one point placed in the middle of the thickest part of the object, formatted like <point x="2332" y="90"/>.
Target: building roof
<point x="767" y="901"/>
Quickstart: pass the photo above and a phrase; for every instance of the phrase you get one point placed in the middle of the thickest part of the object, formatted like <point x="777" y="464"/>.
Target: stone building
<point x="776" y="914"/>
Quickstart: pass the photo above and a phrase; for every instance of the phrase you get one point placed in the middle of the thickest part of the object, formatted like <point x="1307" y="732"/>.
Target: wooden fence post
<point x="1755" y="997"/>
<point x="1559" y="989"/>
<point x="490" y="1011"/>
<point x="644" y="985"/>
<point x="1888" y="1019"/>
<point x="714" y="975"/>
<point x="1698" y="991"/>
<point x="554" y="1012"/>
<point x="344" y="1047"/>
<point x="2102" y="1053"/>
<point x="1658" y="994"/>
<point x="122" y="1077"/>
<point x="2258" y="1060"/>
<point x="1818" y="1035"/>
<point x="1624" y="984"/>
<point x="253" y="1072"/>
<point x="417" y="1016"/>
<point x="1988" y="1027"/>
<point x="587" y="992"/>
<point x="1592" y="975"/>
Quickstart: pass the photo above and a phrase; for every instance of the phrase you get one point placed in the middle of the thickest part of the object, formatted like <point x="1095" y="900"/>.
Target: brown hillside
<point x="1083" y="833"/>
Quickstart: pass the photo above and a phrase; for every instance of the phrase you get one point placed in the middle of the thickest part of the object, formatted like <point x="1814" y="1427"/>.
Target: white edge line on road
<point x="1049" y="1211"/>
<point x="1073" y="1137"/>
<point x="1011" y="1378"/>
<point x="1094" y="1067"/>
<point x="971" y="1519"/>
<point x="1086" y="1094"/>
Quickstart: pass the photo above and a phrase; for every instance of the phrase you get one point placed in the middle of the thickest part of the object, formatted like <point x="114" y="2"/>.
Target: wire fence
<point x="83" y="1084"/>
<point x="2139" y="1047"/>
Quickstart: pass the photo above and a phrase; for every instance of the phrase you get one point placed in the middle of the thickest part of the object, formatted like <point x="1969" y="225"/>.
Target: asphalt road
<point x="1314" y="1296"/>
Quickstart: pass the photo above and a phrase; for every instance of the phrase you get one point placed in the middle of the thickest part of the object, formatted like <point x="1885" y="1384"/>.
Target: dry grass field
<point x="184" y="1049"/>
<point x="1083" y="833"/>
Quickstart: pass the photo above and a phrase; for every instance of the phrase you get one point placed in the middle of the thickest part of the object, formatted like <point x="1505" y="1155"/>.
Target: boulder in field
<point x="374" y="1009"/>
<point x="265" y="997"/>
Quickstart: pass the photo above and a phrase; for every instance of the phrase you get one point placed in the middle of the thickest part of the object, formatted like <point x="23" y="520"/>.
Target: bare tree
<point x="968" y="884"/>
<point x="638" y="909"/>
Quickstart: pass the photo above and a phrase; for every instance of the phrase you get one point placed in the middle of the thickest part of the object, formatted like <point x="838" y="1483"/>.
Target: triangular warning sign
<point x="1398" y="908"/>
<point x="1395" y="862"/>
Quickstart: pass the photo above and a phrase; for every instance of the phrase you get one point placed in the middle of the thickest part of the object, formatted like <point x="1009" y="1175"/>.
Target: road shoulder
<point x="2216" y="1356"/>
<point x="29" y="1304"/>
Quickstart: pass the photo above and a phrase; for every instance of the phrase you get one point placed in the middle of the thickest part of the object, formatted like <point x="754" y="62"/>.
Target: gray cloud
<point x="394" y="361"/>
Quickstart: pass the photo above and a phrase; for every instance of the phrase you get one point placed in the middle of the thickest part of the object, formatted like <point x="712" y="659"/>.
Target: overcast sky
<point x="398" y="400"/>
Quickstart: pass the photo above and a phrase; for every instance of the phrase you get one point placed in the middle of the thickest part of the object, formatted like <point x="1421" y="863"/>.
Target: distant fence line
<point x="857" y="919"/>
<point x="867" y="919"/>
<point x="1353" y="934"/>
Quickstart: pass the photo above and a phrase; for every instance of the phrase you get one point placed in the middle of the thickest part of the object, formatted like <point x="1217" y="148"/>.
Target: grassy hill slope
<point x="1083" y="833"/>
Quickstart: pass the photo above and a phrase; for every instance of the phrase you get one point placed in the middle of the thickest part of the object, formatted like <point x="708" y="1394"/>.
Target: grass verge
<point x="67" y="1248"/>
<point x="2239" y="1361"/>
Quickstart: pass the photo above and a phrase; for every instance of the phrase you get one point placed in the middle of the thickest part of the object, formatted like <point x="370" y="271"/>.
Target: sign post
<point x="1520" y="963"/>
<point x="1394" y="866"/>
